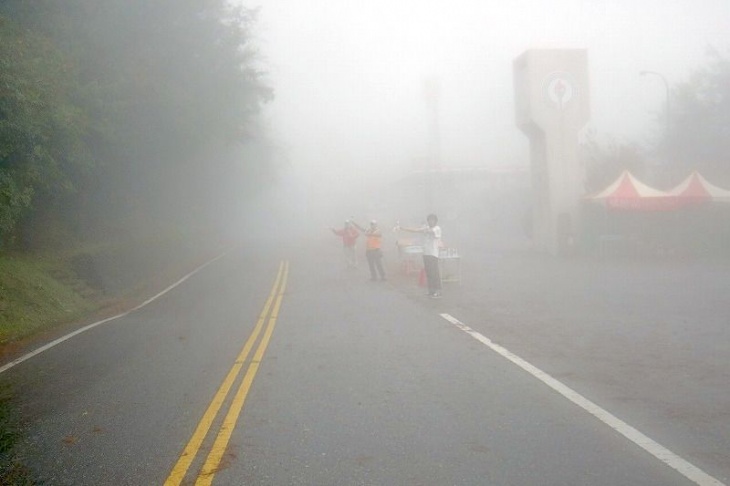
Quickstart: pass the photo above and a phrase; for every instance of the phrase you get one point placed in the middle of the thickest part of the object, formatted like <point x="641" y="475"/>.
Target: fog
<point x="349" y="110"/>
<point x="149" y="142"/>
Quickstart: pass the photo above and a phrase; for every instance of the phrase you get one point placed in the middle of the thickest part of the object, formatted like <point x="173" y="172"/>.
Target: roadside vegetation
<point x="42" y="290"/>
<point x="130" y="133"/>
<point x="120" y="124"/>
<point x="31" y="299"/>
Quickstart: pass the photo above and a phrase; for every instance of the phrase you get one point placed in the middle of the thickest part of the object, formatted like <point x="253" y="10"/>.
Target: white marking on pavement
<point x="657" y="450"/>
<point x="48" y="346"/>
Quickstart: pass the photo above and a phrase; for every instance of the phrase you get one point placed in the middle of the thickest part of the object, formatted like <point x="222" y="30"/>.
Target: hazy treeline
<point x="694" y="135"/>
<point x="699" y="118"/>
<point x="125" y="113"/>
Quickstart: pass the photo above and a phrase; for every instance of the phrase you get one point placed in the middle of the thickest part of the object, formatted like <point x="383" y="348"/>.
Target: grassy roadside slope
<point x="46" y="291"/>
<point x="32" y="299"/>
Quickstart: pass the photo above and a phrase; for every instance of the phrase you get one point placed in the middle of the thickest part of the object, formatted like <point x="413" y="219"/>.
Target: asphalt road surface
<point x="278" y="366"/>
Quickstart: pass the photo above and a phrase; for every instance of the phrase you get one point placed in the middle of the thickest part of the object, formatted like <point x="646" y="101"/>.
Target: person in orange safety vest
<point x="373" y="252"/>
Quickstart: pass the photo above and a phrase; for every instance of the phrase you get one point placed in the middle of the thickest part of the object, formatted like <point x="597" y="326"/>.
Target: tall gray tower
<point x="552" y="106"/>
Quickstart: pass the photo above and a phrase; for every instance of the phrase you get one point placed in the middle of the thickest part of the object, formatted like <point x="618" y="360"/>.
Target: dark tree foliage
<point x="41" y="148"/>
<point x="124" y="109"/>
<point x="700" y="115"/>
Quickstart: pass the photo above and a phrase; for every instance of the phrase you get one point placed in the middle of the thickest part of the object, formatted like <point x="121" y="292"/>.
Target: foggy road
<point x="338" y="380"/>
<point x="575" y="155"/>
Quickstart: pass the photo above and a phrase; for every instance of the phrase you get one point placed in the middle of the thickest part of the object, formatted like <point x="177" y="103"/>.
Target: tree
<point x="700" y="137"/>
<point x="176" y="84"/>
<point x="137" y="111"/>
<point x="605" y="160"/>
<point x="41" y="148"/>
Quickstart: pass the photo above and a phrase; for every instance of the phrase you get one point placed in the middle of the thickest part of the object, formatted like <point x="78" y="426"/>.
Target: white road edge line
<point x="688" y="470"/>
<point x="48" y="346"/>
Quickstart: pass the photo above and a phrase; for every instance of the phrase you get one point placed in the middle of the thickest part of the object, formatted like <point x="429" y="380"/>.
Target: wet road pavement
<point x="365" y="382"/>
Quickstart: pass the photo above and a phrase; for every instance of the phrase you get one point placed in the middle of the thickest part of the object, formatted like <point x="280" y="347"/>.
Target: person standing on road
<point x="349" y="235"/>
<point x="431" y="245"/>
<point x="373" y="252"/>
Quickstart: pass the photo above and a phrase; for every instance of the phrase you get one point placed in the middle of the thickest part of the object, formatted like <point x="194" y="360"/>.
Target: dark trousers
<point x="433" y="274"/>
<point x="375" y="261"/>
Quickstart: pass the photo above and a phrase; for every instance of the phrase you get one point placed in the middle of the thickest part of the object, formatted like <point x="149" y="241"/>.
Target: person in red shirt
<point x="349" y="235"/>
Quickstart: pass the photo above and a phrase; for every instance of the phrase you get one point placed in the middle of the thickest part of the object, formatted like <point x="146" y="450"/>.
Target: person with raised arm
<point x="431" y="233"/>
<point x="349" y="236"/>
<point x="373" y="252"/>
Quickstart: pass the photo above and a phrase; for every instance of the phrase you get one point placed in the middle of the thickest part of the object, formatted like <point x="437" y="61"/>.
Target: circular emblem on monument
<point x="559" y="89"/>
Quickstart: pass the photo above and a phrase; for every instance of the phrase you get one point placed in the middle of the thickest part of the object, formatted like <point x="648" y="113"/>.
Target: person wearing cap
<point x="349" y="235"/>
<point x="373" y="252"/>
<point x="431" y="245"/>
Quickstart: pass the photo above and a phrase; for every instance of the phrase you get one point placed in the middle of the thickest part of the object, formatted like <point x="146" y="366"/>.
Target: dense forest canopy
<point x="126" y="112"/>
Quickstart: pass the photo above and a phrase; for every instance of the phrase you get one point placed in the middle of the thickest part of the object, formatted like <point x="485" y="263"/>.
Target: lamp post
<point x="666" y="87"/>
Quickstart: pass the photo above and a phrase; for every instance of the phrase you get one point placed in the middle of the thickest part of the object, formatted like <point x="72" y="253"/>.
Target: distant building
<point x="467" y="199"/>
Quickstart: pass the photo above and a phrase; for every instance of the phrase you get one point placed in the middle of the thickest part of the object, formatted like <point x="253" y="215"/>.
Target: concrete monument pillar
<point x="552" y="106"/>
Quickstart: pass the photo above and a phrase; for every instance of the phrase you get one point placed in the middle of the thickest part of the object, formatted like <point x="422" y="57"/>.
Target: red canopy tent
<point x="627" y="193"/>
<point x="638" y="218"/>
<point x="696" y="190"/>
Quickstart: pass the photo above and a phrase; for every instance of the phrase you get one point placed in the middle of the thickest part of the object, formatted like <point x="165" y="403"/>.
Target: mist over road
<point x="365" y="383"/>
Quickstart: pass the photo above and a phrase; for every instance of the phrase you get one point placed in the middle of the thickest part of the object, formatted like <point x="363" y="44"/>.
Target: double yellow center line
<point x="213" y="461"/>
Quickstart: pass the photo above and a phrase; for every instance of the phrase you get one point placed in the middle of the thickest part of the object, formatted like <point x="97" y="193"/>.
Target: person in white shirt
<point x="431" y="245"/>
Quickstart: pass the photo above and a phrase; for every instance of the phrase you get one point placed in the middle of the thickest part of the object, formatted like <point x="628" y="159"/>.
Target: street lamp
<point x="666" y="87"/>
